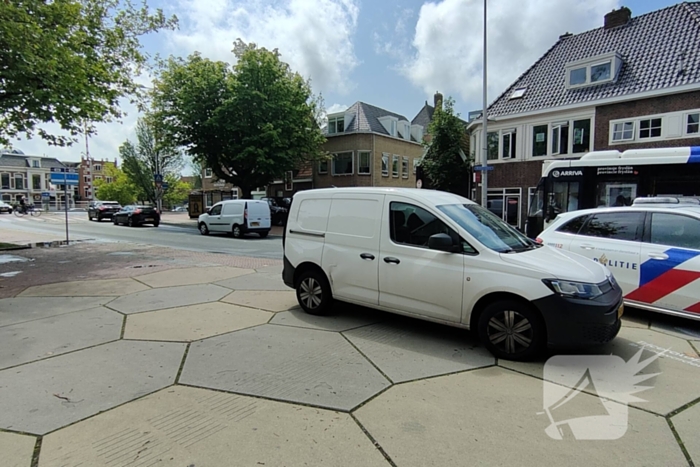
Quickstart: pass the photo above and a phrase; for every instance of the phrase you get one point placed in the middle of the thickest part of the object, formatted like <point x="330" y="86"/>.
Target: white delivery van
<point x="440" y="257"/>
<point x="237" y="217"/>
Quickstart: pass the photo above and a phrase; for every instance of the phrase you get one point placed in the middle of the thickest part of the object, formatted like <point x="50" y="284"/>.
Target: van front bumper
<point x="573" y="322"/>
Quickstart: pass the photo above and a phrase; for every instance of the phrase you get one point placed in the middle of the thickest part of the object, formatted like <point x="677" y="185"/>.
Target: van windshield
<point x="487" y="228"/>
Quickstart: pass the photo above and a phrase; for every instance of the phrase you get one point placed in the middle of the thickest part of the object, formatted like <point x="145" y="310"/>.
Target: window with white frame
<point x="508" y="144"/>
<point x="343" y="163"/>
<point x="98" y="168"/>
<point x="560" y="138"/>
<point x="385" y="165"/>
<point x="415" y="164"/>
<point x="404" y="167"/>
<point x="109" y="179"/>
<point x="539" y="140"/>
<point x="336" y="125"/>
<point x="363" y="162"/>
<point x="87" y="192"/>
<point x="492" y="146"/>
<point x="692" y="124"/>
<point x="593" y="71"/>
<point x="650" y="128"/>
<point x="36" y="164"/>
<point x="323" y="167"/>
<point x="207" y="173"/>
<point x="395" y="166"/>
<point x="622" y="131"/>
<point x="19" y="182"/>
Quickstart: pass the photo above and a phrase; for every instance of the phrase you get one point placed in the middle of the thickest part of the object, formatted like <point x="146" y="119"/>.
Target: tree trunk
<point x="246" y="192"/>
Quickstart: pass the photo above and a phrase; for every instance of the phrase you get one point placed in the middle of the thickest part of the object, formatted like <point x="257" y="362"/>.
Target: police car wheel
<point x="512" y="330"/>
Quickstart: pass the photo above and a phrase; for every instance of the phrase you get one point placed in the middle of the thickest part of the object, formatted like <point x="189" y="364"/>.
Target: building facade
<point x="598" y="90"/>
<point x="30" y="176"/>
<point x="90" y="171"/>
<point x="369" y="146"/>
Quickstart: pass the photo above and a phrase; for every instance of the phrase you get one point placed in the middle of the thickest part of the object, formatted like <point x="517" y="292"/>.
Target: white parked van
<point x="237" y="217"/>
<point x="443" y="258"/>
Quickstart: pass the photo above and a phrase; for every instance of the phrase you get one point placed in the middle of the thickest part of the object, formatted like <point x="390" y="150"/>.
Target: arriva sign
<point x="567" y="173"/>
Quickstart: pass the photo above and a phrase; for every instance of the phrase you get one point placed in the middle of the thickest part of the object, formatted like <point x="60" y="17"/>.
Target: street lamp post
<point x="485" y="134"/>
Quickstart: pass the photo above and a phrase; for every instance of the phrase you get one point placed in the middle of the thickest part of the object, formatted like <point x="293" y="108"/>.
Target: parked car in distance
<point x="180" y="209"/>
<point x="441" y="257"/>
<point x="652" y="248"/>
<point x="102" y="210"/>
<point x="4" y="207"/>
<point x="278" y="213"/>
<point x="135" y="215"/>
<point x="237" y="217"/>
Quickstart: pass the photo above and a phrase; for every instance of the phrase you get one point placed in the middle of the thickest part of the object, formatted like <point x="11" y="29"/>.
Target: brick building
<point x="633" y="83"/>
<point x="369" y="146"/>
<point x="91" y="170"/>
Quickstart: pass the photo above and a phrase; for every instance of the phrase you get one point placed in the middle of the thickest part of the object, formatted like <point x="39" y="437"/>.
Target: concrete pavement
<point x="216" y="365"/>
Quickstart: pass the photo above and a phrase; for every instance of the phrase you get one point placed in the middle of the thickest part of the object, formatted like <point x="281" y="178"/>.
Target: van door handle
<point x="367" y="256"/>
<point x="586" y="246"/>
<point x="660" y="256"/>
<point x="389" y="259"/>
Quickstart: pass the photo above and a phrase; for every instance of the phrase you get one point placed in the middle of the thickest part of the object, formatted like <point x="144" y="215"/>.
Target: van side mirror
<point x="441" y="242"/>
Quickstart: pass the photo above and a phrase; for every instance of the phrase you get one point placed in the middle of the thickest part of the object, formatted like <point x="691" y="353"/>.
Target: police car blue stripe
<point x="654" y="268"/>
<point x="694" y="155"/>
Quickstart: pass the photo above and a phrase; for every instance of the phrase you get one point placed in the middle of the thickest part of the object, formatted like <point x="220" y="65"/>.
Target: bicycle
<point x="21" y="211"/>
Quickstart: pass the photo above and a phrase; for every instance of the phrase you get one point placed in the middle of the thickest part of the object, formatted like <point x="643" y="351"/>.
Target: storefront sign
<point x="567" y="173"/>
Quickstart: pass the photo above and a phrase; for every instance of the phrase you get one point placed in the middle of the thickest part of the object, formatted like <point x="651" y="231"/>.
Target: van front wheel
<point x="314" y="293"/>
<point x="512" y="330"/>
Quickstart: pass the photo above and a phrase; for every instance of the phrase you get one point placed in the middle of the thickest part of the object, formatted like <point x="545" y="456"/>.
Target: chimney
<point x="617" y="18"/>
<point x="565" y="35"/>
<point x="438" y="100"/>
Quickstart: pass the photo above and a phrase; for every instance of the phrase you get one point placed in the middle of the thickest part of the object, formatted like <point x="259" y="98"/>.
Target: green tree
<point x="249" y="124"/>
<point x="69" y="62"/>
<point x="197" y="169"/>
<point x="141" y="161"/>
<point x="177" y="192"/>
<point x="443" y="162"/>
<point x="120" y="189"/>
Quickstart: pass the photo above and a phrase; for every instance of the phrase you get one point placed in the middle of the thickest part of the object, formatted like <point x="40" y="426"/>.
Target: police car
<point x="652" y="248"/>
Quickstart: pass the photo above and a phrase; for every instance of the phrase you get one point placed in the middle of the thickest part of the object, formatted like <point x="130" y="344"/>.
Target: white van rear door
<point x="232" y="213"/>
<point x="351" y="249"/>
<point x="259" y="215"/>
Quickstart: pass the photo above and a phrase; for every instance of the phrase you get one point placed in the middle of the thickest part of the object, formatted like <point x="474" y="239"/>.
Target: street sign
<point x="165" y="186"/>
<point x="158" y="178"/>
<point x="45" y="195"/>
<point x="64" y="178"/>
<point x="481" y="168"/>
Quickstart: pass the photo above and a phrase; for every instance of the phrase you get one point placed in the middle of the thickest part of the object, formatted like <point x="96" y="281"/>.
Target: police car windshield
<point x="487" y="228"/>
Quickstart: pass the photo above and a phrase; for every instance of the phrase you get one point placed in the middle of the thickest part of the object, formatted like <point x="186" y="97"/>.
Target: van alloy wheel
<point x="237" y="233"/>
<point x="311" y="293"/>
<point x="203" y="229"/>
<point x="510" y="331"/>
<point x="314" y="292"/>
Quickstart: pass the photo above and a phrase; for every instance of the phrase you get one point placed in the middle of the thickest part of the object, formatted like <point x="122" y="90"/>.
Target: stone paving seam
<point x="683" y="408"/>
<point x="272" y="313"/>
<point x="182" y="363"/>
<point x="121" y="333"/>
<point x="376" y="444"/>
<point x="681" y="445"/>
<point x="370" y="362"/>
<point x="37" y="451"/>
<point x="136" y="278"/>
<point x="695" y="346"/>
<point x="61" y="355"/>
<point x="60" y="314"/>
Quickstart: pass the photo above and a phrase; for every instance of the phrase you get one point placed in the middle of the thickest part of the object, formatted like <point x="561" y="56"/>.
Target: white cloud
<point x="448" y="41"/>
<point x="313" y="36"/>
<point x="336" y="108"/>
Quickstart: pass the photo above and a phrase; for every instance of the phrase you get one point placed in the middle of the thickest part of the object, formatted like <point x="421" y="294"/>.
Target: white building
<point x="22" y="175"/>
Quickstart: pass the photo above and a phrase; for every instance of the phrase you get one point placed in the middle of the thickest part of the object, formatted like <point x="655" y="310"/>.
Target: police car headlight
<point x="573" y="289"/>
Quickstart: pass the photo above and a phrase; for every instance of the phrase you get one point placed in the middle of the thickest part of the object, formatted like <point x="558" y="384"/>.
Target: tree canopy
<point x="249" y="124"/>
<point x="69" y="62"/>
<point x="120" y="189"/>
<point x="443" y="163"/>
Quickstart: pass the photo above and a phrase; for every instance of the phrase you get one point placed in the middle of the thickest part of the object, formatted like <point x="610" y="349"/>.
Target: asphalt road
<point x="165" y="235"/>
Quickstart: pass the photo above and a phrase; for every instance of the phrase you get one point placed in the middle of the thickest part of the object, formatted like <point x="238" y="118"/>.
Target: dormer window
<point x="518" y="93"/>
<point x="336" y="125"/>
<point x="593" y="71"/>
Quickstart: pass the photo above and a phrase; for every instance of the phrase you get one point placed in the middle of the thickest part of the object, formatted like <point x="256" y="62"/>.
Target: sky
<point x="394" y="54"/>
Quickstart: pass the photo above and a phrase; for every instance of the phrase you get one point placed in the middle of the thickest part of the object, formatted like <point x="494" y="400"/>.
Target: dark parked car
<point x="278" y="213"/>
<point x="134" y="216"/>
<point x="4" y="207"/>
<point x="102" y="210"/>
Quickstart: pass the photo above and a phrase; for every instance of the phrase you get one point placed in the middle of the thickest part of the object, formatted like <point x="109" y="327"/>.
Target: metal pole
<point x="65" y="199"/>
<point x="485" y="133"/>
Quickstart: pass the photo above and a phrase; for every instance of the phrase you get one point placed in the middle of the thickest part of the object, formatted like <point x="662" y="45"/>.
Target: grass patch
<point x="11" y="246"/>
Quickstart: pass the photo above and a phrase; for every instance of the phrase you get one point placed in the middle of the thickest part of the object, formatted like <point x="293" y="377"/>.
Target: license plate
<point x="620" y="311"/>
<point x="255" y="224"/>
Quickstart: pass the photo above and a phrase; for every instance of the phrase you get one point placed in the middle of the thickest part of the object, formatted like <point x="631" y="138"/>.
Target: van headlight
<point x="574" y="289"/>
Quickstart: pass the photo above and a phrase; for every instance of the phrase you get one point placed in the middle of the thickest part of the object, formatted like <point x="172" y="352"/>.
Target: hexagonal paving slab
<point x="273" y="269"/>
<point x="268" y="300"/>
<point x="684" y="329"/>
<point x="192" y="276"/>
<point x="257" y="281"/>
<point x="193" y="322"/>
<point x="344" y="319"/>
<point x="169" y="297"/>
<point x="23" y="309"/>
<point x="670" y="390"/>
<point x="687" y="424"/>
<point x="42" y="396"/>
<point x="96" y="288"/>
<point x="55" y="335"/>
<point x="184" y="426"/>
<point x="17" y="450"/>
<point x="284" y="363"/>
<point x="496" y="417"/>
<point x="408" y="349"/>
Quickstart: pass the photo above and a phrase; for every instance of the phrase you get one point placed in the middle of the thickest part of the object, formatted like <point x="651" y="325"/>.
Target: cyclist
<point x="23" y="204"/>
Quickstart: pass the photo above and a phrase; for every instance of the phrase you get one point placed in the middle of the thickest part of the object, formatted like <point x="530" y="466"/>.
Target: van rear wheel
<point x="314" y="293"/>
<point x="511" y="330"/>
<point x="237" y="232"/>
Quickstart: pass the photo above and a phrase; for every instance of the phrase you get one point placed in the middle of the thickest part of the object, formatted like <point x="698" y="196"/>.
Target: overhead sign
<point x="158" y="178"/>
<point x="64" y="176"/>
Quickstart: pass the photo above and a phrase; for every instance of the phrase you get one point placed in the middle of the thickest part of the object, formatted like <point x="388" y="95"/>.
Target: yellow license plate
<point x="620" y="311"/>
<point x="255" y="224"/>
